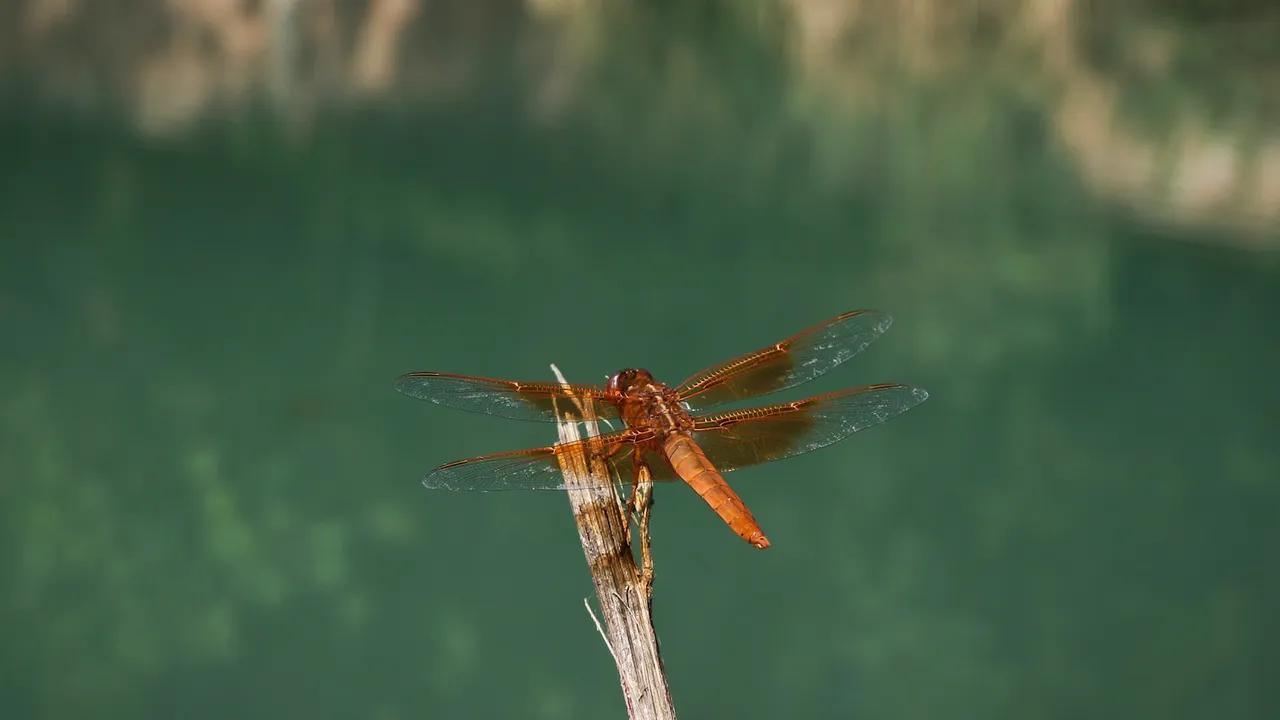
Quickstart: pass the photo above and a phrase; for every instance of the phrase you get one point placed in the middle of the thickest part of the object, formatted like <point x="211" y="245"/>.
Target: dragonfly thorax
<point x="645" y="402"/>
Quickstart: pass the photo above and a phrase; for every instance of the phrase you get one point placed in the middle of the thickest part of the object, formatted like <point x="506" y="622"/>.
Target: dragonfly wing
<point x="506" y="398"/>
<point x="796" y="360"/>
<point x="539" y="468"/>
<point x="742" y="438"/>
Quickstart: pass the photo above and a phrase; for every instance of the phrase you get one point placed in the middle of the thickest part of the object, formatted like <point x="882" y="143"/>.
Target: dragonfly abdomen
<point x="692" y="465"/>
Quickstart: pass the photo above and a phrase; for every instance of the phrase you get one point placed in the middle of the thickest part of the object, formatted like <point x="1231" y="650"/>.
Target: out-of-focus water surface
<point x="226" y="227"/>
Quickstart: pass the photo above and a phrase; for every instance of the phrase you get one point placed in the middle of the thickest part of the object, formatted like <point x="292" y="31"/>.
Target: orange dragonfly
<point x="660" y="430"/>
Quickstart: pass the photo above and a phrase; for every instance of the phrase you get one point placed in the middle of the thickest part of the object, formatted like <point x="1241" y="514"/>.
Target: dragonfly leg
<point x="644" y="489"/>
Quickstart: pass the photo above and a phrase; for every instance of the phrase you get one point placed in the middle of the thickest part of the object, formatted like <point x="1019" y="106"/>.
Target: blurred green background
<point x="225" y="227"/>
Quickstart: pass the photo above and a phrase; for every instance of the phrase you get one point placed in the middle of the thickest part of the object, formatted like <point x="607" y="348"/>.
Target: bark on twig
<point x="623" y="590"/>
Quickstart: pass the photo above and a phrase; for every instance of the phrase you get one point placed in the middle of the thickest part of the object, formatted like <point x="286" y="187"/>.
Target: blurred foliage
<point x="203" y="473"/>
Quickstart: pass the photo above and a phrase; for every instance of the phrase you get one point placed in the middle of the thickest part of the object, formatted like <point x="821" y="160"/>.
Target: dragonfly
<point x="667" y="430"/>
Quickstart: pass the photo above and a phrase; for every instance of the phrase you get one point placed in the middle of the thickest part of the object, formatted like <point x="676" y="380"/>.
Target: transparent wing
<point x="798" y="359"/>
<point x="505" y="398"/>
<point x="742" y="438"/>
<point x="539" y="468"/>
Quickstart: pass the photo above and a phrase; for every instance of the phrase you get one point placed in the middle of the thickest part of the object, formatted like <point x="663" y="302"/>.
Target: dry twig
<point x="623" y="590"/>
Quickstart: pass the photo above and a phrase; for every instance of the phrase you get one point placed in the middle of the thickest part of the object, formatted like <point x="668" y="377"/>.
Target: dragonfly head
<point x="623" y="381"/>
